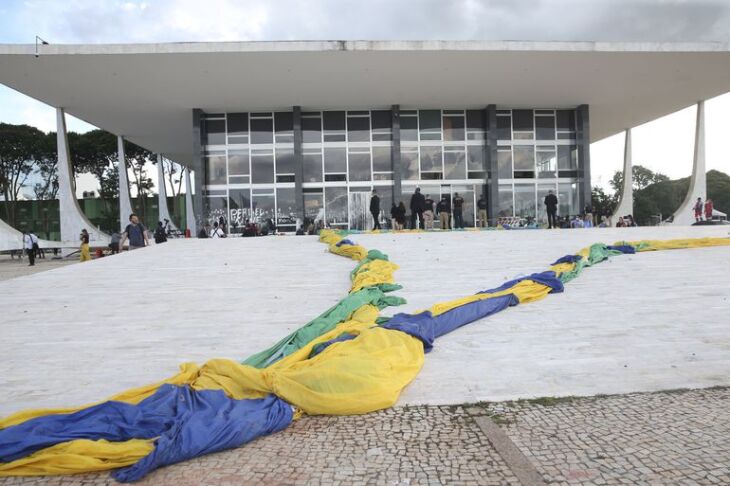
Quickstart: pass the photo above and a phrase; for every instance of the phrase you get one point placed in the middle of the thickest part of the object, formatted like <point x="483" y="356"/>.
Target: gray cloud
<point x="190" y="20"/>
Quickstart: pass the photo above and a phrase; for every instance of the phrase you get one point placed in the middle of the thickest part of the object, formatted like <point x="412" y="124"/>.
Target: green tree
<point x="641" y="177"/>
<point x="20" y="147"/>
<point x="603" y="204"/>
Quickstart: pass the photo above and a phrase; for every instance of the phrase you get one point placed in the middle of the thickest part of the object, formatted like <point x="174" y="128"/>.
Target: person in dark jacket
<point x="375" y="210"/>
<point x="551" y="206"/>
<point x="443" y="210"/>
<point x="160" y="236"/>
<point x="394" y="217"/>
<point x="418" y="204"/>
<point x="401" y="215"/>
<point x="458" y="208"/>
<point x="428" y="213"/>
<point x="482" y="207"/>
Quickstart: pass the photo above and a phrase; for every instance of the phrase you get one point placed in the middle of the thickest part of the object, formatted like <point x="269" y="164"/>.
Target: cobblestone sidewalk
<point x="658" y="438"/>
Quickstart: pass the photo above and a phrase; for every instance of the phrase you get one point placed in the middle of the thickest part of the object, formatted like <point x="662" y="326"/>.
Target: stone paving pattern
<point x="659" y="438"/>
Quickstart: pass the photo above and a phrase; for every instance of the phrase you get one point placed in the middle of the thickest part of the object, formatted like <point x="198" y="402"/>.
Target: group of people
<point x="707" y="208"/>
<point x="424" y="210"/>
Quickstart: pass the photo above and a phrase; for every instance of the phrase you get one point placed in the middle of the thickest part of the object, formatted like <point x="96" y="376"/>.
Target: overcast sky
<point x="100" y="21"/>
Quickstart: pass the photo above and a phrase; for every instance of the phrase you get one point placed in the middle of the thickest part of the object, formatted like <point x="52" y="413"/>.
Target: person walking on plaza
<point x="443" y="210"/>
<point x="482" y="207"/>
<point x="709" y="207"/>
<point x="160" y="234"/>
<point x="30" y="242"/>
<point x="551" y="206"/>
<point x="217" y="232"/>
<point x="375" y="210"/>
<point x="458" y="208"/>
<point x="428" y="213"/>
<point x="698" y="207"/>
<point x="84" y="253"/>
<point x="418" y="204"/>
<point x="135" y="232"/>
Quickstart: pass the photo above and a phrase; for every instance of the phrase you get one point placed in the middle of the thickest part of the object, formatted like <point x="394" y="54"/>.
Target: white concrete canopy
<point x="625" y="84"/>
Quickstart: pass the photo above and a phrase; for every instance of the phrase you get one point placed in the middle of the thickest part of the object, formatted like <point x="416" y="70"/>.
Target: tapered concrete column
<point x="626" y="204"/>
<point x="73" y="219"/>
<point x="189" y="214"/>
<point x="125" y="200"/>
<point x="164" y="214"/>
<point x="698" y="182"/>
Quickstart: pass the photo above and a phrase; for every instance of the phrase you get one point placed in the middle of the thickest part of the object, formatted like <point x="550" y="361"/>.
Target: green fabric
<point x="596" y="254"/>
<point x="322" y="324"/>
<point x="372" y="256"/>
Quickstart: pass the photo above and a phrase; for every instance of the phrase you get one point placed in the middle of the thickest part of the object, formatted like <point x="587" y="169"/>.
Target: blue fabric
<point x="188" y="423"/>
<point x="568" y="259"/>
<point x="627" y="249"/>
<point x="322" y="346"/>
<point x="547" y="278"/>
<point x="345" y="242"/>
<point x="427" y="327"/>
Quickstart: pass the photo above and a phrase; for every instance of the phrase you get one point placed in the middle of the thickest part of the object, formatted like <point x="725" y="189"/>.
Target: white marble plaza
<point x="636" y="323"/>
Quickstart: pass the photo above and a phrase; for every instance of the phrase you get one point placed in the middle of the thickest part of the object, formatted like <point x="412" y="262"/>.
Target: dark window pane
<point x="262" y="167"/>
<point x="566" y="120"/>
<point x="285" y="161"/>
<point x="454" y="165"/>
<point x="216" y="169"/>
<point x="506" y="207"/>
<point x="430" y="124"/>
<point x="312" y="167"/>
<point x="335" y="177"/>
<point x="504" y="128"/>
<point x="567" y="157"/>
<point x="525" y="201"/>
<point x="546" y="164"/>
<point x="262" y="130"/>
<point x="381" y="121"/>
<point x="238" y="162"/>
<point x="454" y="128"/>
<point x="263" y="208"/>
<point x="334" y="121"/>
<point x="358" y="129"/>
<point x="381" y="159"/>
<point x="238" y="128"/>
<point x="239" y="203"/>
<point x="335" y="160"/>
<point x="312" y="130"/>
<point x="431" y="159"/>
<point x="409" y="128"/>
<point x="475" y="124"/>
<point x="545" y="126"/>
<point x="475" y="156"/>
<point x="359" y="167"/>
<point x="286" y="209"/>
<point x="286" y="178"/>
<point x="522" y="120"/>
<point x="214" y="132"/>
<point x="284" y="127"/>
<point x="504" y="164"/>
<point x="524" y="158"/>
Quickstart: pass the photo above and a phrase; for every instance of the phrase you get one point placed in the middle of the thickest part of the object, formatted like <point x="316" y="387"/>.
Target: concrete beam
<point x="125" y="200"/>
<point x="73" y="219"/>
<point x="189" y="214"/>
<point x="162" y="194"/>
<point x="626" y="204"/>
<point x="698" y="182"/>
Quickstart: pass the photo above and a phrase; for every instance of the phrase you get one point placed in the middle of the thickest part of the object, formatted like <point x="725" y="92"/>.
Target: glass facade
<point x="251" y="166"/>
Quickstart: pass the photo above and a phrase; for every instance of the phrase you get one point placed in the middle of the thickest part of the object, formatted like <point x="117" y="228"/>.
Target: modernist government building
<point x="290" y="131"/>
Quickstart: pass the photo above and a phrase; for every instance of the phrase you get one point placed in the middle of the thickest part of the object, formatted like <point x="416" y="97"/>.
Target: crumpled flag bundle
<point x="346" y="361"/>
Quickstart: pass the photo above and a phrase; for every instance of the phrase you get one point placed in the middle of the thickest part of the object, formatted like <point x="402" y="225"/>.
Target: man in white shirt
<point x="217" y="232"/>
<point x="30" y="243"/>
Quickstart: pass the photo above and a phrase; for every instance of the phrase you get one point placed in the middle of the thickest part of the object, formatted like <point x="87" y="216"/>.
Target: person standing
<point x="160" y="236"/>
<point x="482" y="207"/>
<point x="709" y="208"/>
<point x="443" y="210"/>
<point x="458" y="208"/>
<point x="84" y="253"/>
<point x="551" y="206"/>
<point x="217" y="232"/>
<point x="375" y="210"/>
<point x="418" y="204"/>
<point x="114" y="243"/>
<point x="135" y="232"/>
<point x="30" y="241"/>
<point x="698" y="207"/>
<point x="401" y="216"/>
<point x="428" y="213"/>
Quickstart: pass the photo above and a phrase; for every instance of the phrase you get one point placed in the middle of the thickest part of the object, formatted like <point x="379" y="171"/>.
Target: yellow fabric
<point x="352" y="377"/>
<point x="678" y="244"/>
<point x="374" y="273"/>
<point x="561" y="268"/>
<point x="525" y="291"/>
<point x="356" y="252"/>
<point x="188" y="371"/>
<point x="84" y="255"/>
<point x="78" y="456"/>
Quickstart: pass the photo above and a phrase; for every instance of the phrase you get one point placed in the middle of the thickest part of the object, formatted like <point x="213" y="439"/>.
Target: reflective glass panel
<point x="238" y="162"/>
<point x="431" y="159"/>
<point x="217" y="207"/>
<point x="409" y="165"/>
<point x="504" y="128"/>
<point x="567" y="157"/>
<point x="358" y="129"/>
<point x="429" y="122"/>
<point x="475" y="159"/>
<point x="525" y="200"/>
<point x="522" y="121"/>
<point x="546" y="164"/>
<point x="312" y="167"/>
<point x="216" y="169"/>
<point x="381" y="125"/>
<point x="524" y="158"/>
<point x="504" y="164"/>
<point x="505" y="201"/>
<point x="237" y="128"/>
<point x="381" y="159"/>
<point x="314" y="206"/>
<point x="566" y="120"/>
<point x="262" y="167"/>
<point x="542" y="191"/>
<point x="336" y="205"/>
<point x="312" y="129"/>
<point x="239" y="203"/>
<point x="335" y="160"/>
<point x="475" y="124"/>
<point x="568" y="199"/>
<point x="455" y="165"/>
<point x="454" y="128"/>
<point x="545" y="126"/>
<point x="286" y="209"/>
<point x="214" y="132"/>
<point x="409" y="128"/>
<point x="359" y="167"/>
<point x="263" y="208"/>
<point x="262" y="130"/>
<point x="284" y="127"/>
<point x="285" y="161"/>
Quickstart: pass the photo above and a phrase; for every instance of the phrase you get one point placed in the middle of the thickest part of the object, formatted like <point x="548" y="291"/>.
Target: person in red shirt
<point x="708" y="210"/>
<point x="698" y="209"/>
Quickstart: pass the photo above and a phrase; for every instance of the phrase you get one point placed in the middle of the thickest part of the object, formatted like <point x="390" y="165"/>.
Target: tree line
<point x="26" y="150"/>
